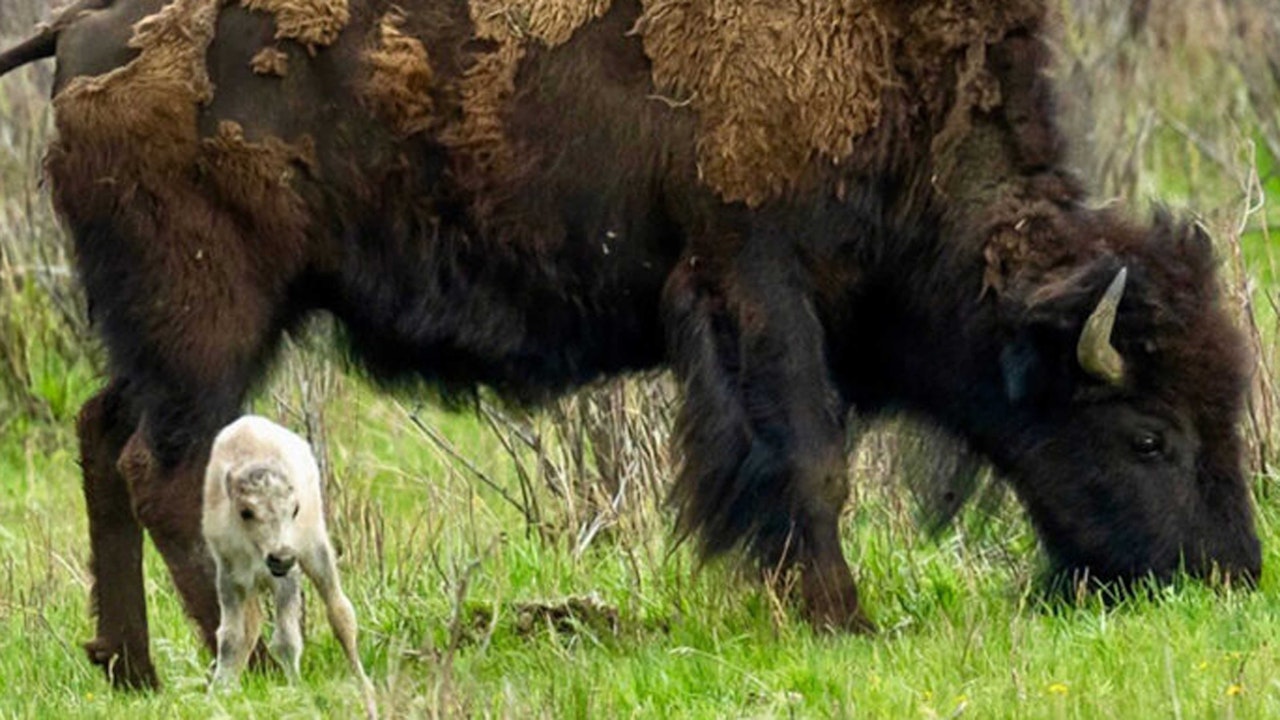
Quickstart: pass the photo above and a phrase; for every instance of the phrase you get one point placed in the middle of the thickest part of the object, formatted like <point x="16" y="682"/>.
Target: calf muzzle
<point x="280" y="565"/>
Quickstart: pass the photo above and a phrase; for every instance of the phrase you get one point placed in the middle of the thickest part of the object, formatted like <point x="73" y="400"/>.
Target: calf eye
<point x="296" y="508"/>
<point x="246" y="514"/>
<point x="1147" y="445"/>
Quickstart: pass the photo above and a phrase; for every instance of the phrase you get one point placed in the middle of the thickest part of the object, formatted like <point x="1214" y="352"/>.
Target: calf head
<point x="1125" y="379"/>
<point x="263" y="501"/>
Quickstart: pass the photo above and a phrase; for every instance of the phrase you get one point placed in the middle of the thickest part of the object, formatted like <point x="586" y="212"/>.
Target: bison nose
<point x="280" y="565"/>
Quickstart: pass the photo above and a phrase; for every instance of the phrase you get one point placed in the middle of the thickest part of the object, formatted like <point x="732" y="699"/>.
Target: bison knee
<point x="159" y="502"/>
<point x="137" y="465"/>
<point x="103" y="425"/>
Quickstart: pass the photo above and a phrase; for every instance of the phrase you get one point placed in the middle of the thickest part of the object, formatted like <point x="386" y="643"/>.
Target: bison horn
<point x="1096" y="354"/>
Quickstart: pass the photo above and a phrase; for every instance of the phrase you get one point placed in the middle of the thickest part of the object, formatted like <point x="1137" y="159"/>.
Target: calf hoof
<point x="124" y="672"/>
<point x="261" y="661"/>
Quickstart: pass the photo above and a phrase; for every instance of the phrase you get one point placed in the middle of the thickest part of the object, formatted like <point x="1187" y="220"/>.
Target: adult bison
<point x="806" y="209"/>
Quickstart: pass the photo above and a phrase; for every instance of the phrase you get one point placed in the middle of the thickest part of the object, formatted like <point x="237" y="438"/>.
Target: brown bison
<point x="805" y="209"/>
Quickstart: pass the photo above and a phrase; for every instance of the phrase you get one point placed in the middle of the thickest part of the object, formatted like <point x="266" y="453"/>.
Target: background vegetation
<point x="513" y="565"/>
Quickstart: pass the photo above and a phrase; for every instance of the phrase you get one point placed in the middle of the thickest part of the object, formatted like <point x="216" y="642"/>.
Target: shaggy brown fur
<point x="400" y="78"/>
<point x="158" y="92"/>
<point x="255" y="181"/>
<point x="934" y="29"/>
<point x="781" y="91"/>
<point x="312" y="23"/>
<point x="931" y="35"/>
<point x="270" y="61"/>
<point x="485" y="160"/>
<point x="776" y="85"/>
<point x="551" y="22"/>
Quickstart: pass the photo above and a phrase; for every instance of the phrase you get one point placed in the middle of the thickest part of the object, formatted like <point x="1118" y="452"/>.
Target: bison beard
<point x="518" y="200"/>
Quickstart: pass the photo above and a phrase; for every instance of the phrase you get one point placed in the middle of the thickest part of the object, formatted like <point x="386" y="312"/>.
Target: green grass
<point x="963" y="630"/>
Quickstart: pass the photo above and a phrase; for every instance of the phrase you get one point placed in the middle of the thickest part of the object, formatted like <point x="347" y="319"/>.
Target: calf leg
<point x="323" y="571"/>
<point x="121" y="643"/>
<point x="237" y="630"/>
<point x="761" y="428"/>
<point x="286" y="641"/>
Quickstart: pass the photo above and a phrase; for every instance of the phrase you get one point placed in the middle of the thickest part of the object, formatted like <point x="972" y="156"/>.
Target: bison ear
<point x="1023" y="367"/>
<point x="1186" y="240"/>
<point x="1197" y="243"/>
<point x="1045" y="356"/>
<point x="1196" y="247"/>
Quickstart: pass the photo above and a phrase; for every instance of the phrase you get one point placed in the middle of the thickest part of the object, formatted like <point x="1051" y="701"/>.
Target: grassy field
<point x="457" y="606"/>
<point x="466" y="538"/>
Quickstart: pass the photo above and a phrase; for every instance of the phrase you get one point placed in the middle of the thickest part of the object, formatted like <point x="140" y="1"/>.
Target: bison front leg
<point x="761" y="431"/>
<point x="115" y="538"/>
<point x="189" y="365"/>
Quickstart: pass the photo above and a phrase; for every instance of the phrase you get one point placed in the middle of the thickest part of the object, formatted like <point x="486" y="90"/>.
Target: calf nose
<point x="280" y="565"/>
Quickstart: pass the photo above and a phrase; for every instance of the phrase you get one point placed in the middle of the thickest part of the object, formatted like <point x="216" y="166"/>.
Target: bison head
<point x="1125" y="379"/>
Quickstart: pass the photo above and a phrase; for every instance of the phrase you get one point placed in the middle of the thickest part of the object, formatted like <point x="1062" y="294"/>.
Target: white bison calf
<point x="262" y="520"/>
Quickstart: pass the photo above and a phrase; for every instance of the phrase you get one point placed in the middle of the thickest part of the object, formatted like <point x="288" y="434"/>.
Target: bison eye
<point x="246" y="514"/>
<point x="296" y="508"/>
<point x="1147" y="445"/>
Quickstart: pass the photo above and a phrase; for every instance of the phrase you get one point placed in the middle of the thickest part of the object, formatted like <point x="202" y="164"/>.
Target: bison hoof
<point x="123" y="673"/>
<point x="842" y="622"/>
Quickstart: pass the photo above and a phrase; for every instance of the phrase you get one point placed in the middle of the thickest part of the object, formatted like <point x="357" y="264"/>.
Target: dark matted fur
<point x="945" y="270"/>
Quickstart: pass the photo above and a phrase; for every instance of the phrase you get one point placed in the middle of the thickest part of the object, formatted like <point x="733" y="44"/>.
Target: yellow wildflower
<point x="1234" y="689"/>
<point x="1057" y="688"/>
